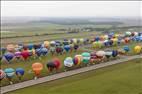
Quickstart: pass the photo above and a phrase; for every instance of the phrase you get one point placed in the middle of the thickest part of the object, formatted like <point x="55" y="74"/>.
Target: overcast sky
<point x="71" y="8"/>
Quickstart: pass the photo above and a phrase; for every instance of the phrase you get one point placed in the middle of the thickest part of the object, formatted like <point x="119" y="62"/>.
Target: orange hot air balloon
<point x="37" y="67"/>
<point x="10" y="48"/>
<point x="46" y="44"/>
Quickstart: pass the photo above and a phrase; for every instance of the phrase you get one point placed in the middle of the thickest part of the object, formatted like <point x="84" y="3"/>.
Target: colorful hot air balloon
<point x="10" y="48"/>
<point x="17" y="54"/>
<point x="50" y="65"/>
<point x="80" y="59"/>
<point x="68" y="62"/>
<point x="86" y="57"/>
<point x="137" y="49"/>
<point x="8" y="57"/>
<point x="37" y="67"/>
<point x="9" y="74"/>
<point x="20" y="72"/>
<point x="2" y="74"/>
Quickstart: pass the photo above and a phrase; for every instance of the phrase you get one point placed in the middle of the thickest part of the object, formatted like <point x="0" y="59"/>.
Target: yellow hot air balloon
<point x="46" y="44"/>
<point x="137" y="49"/>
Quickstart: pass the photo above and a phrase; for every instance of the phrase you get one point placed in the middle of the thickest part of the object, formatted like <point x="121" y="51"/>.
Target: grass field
<point x="27" y="66"/>
<point x="124" y="78"/>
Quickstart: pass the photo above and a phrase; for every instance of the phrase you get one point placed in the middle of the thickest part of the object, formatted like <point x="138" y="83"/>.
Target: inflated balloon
<point x="52" y="50"/>
<point x="25" y="54"/>
<point x="37" y="67"/>
<point x="17" y="54"/>
<point x="76" y="47"/>
<point x="59" y="50"/>
<point x="74" y="41"/>
<point x="76" y="61"/>
<point x="80" y="58"/>
<point x="30" y="46"/>
<point x="68" y="62"/>
<point x="50" y="65"/>
<point x="20" y="72"/>
<point x="127" y="40"/>
<point x="3" y="50"/>
<point x="128" y="33"/>
<point x="46" y="44"/>
<point x="9" y="73"/>
<point x="114" y="53"/>
<point x="52" y="43"/>
<point x="8" y="57"/>
<point x="2" y="74"/>
<point x="10" y="48"/>
<point x="108" y="53"/>
<point x="100" y="54"/>
<point x="126" y="48"/>
<point x="97" y="44"/>
<point x="57" y="63"/>
<point x="97" y="38"/>
<point x="86" y="57"/>
<point x="67" y="48"/>
<point x="137" y="49"/>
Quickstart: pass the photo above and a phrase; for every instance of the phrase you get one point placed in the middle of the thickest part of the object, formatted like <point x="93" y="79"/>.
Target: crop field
<point x="124" y="78"/>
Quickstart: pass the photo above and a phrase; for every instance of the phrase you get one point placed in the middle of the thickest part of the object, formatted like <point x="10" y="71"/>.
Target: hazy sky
<point x="71" y="8"/>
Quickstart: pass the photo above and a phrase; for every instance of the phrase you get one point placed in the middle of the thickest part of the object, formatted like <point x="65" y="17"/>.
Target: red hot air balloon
<point x="57" y="63"/>
<point x="25" y="54"/>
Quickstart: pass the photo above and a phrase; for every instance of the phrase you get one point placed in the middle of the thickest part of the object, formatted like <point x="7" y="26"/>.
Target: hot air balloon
<point x="68" y="62"/>
<point x="80" y="59"/>
<point x="57" y="63"/>
<point x="30" y="46"/>
<point x="37" y="67"/>
<point x="52" y="50"/>
<point x="137" y="49"/>
<point x="50" y="65"/>
<point x="25" y="54"/>
<point x="76" y="47"/>
<point x="10" y="48"/>
<point x="46" y="44"/>
<point x="126" y="48"/>
<point x="76" y="60"/>
<point x="59" y="50"/>
<point x="128" y="34"/>
<point x="17" y="54"/>
<point x="7" y="57"/>
<point x="108" y="54"/>
<point x="114" y="53"/>
<point x="9" y="74"/>
<point x="86" y="57"/>
<point x="2" y="74"/>
<point x="100" y="54"/>
<point x="67" y="48"/>
<point x="20" y="72"/>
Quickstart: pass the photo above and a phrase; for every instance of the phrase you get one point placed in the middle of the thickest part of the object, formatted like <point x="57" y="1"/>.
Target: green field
<point x="124" y="78"/>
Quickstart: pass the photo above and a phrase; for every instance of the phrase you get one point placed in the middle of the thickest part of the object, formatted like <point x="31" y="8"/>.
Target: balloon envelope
<point x="2" y="74"/>
<point x="37" y="67"/>
<point x="68" y="62"/>
<point x="9" y="72"/>
<point x="20" y="71"/>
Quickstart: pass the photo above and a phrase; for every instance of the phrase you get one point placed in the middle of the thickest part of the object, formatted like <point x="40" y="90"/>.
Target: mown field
<point x="44" y="59"/>
<point x="124" y="78"/>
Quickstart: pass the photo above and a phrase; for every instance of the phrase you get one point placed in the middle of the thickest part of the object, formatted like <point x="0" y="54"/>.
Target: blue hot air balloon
<point x="67" y="48"/>
<point x="126" y="48"/>
<point x="8" y="56"/>
<point x="114" y="53"/>
<point x="9" y="73"/>
<point x="20" y="72"/>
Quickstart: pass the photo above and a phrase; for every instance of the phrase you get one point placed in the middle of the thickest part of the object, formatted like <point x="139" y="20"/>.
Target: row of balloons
<point x="84" y="58"/>
<point x="37" y="50"/>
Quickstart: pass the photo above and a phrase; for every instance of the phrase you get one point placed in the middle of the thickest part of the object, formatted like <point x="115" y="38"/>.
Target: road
<point x="65" y="74"/>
